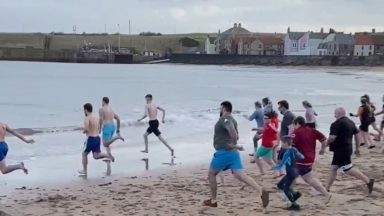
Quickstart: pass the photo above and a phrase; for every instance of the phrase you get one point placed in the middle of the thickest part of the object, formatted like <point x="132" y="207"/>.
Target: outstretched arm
<point x="18" y="135"/>
<point x="163" y="111"/>
<point x="145" y="114"/>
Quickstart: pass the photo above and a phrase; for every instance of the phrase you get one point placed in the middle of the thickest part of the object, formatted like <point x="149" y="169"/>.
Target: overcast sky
<point x="185" y="16"/>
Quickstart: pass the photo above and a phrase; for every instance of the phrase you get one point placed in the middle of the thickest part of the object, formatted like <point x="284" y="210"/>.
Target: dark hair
<point x="227" y="106"/>
<point x="299" y="120"/>
<point x="284" y="104"/>
<point x="265" y="100"/>
<point x="271" y="114"/>
<point x="106" y="100"/>
<point x="88" y="107"/>
<point x="367" y="97"/>
<point x="258" y="104"/>
<point x="307" y="104"/>
<point x="148" y="96"/>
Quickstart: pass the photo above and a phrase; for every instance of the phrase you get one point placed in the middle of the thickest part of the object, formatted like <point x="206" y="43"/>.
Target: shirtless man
<point x="151" y="112"/>
<point x="91" y="130"/>
<point x="4" y="150"/>
<point x="107" y="117"/>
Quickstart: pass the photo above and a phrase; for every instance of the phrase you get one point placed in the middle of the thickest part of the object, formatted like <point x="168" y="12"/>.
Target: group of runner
<point x="93" y="126"/>
<point x="290" y="149"/>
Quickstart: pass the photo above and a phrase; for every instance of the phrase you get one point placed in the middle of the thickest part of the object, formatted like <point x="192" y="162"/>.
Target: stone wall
<point x="277" y="60"/>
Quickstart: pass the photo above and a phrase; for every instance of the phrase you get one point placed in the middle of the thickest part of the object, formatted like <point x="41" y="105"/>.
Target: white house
<point x="303" y="43"/>
<point x="210" y="45"/>
<point x="364" y="45"/>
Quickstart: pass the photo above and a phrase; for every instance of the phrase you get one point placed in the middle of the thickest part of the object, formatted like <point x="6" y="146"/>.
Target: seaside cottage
<point x="339" y="44"/>
<point x="364" y="45"/>
<point x="210" y="45"/>
<point x="378" y="42"/>
<point x="303" y="43"/>
<point x="225" y="43"/>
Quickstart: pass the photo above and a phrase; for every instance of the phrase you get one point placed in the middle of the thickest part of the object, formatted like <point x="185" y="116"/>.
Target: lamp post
<point x="118" y="25"/>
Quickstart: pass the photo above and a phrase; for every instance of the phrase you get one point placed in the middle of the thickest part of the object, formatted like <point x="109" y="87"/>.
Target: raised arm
<point x="117" y="122"/>
<point x="163" y="111"/>
<point x="18" y="135"/>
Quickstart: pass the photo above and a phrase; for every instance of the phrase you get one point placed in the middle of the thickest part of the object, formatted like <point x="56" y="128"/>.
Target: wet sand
<point x="180" y="190"/>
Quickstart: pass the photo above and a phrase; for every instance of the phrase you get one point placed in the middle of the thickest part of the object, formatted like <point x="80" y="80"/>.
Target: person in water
<point x="151" y="113"/>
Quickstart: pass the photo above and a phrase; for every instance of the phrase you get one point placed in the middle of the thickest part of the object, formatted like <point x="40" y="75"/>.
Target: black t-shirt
<point x="343" y="129"/>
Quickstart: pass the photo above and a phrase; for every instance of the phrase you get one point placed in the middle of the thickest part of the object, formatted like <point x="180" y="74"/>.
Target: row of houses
<point x="239" y="41"/>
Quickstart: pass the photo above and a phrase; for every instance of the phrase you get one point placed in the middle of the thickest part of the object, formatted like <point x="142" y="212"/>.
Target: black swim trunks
<point x="154" y="127"/>
<point x="342" y="158"/>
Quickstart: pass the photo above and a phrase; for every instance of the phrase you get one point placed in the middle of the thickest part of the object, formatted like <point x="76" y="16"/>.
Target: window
<point x="294" y="45"/>
<point x="259" y="46"/>
<point x="369" y="53"/>
<point x="370" y="47"/>
<point x="303" y="45"/>
<point x="362" y="47"/>
<point x="320" y="53"/>
<point x="334" y="46"/>
<point x="357" y="53"/>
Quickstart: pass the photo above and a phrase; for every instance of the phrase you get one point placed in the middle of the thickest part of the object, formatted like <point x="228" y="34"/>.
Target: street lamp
<point x="118" y="25"/>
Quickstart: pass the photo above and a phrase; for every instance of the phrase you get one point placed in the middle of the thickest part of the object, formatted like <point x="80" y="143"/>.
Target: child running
<point x="269" y="140"/>
<point x="289" y="162"/>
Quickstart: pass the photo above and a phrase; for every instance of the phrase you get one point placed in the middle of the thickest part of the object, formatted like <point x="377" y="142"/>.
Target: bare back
<point x="3" y="131"/>
<point x="151" y="111"/>
<point x="91" y="125"/>
<point x="106" y="114"/>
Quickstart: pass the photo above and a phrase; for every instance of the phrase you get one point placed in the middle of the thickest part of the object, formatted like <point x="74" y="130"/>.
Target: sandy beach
<point x="181" y="190"/>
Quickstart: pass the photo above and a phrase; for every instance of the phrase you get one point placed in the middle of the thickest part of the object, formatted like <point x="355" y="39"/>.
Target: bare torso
<point x="3" y="131"/>
<point x="91" y="125"/>
<point x="106" y="114"/>
<point x="151" y="110"/>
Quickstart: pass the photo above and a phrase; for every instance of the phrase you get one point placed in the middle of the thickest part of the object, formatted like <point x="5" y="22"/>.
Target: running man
<point x="310" y="114"/>
<point x="107" y="117"/>
<point x="4" y="129"/>
<point x="285" y="126"/>
<point x="267" y="104"/>
<point x="151" y="113"/>
<point x="227" y="156"/>
<point x="304" y="139"/>
<point x="340" y="142"/>
<point x="258" y="116"/>
<point x="92" y="144"/>
<point x="365" y="114"/>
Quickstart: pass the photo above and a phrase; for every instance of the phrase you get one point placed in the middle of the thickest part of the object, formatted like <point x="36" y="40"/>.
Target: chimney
<point x="239" y="25"/>
<point x="322" y="30"/>
<point x="235" y="25"/>
<point x="289" y="29"/>
<point x="373" y="31"/>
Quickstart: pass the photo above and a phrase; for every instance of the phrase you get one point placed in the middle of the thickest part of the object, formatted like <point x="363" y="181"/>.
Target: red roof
<point x="363" y="39"/>
<point x="271" y="40"/>
<point x="378" y="39"/>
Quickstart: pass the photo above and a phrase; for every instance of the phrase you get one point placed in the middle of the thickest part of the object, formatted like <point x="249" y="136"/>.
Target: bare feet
<point x="22" y="167"/>
<point x="145" y="151"/>
<point x="82" y="172"/>
<point x="120" y="138"/>
<point x="173" y="153"/>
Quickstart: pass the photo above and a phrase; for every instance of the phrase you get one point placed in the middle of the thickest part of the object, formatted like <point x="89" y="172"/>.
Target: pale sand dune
<point x="181" y="191"/>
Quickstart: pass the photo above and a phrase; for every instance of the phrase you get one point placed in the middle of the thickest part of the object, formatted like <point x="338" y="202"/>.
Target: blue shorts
<point x="223" y="160"/>
<point x="3" y="150"/>
<point x="108" y="131"/>
<point x="92" y="145"/>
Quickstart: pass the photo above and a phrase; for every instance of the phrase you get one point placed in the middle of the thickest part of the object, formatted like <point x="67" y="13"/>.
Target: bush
<point x="189" y="42"/>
